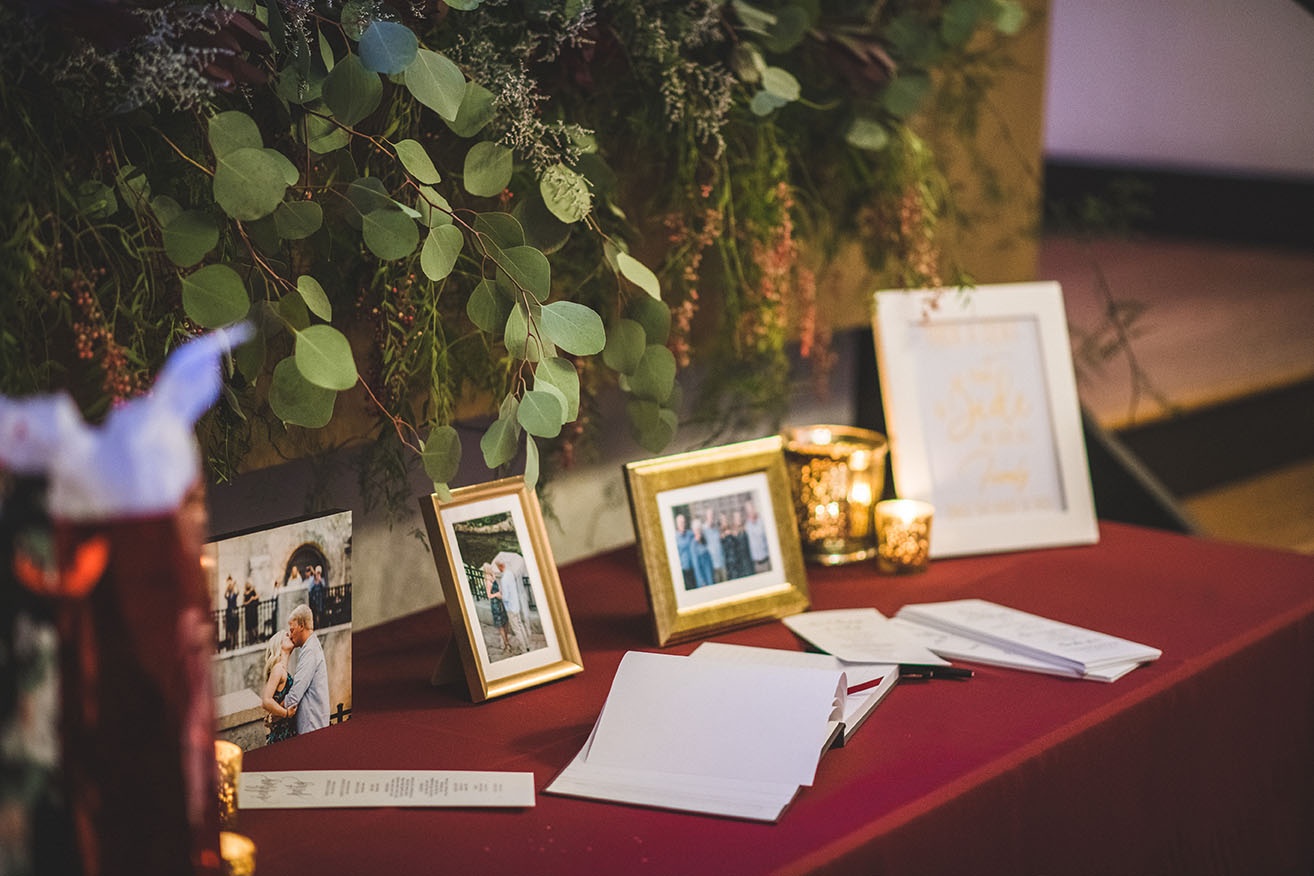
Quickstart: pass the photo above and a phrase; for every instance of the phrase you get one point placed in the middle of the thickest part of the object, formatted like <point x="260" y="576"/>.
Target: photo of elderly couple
<point x="503" y="593"/>
<point x="720" y="539"/>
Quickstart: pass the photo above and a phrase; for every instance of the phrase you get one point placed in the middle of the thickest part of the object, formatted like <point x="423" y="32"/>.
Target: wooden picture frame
<point x="982" y="415"/>
<point x="483" y="538"/>
<point x="745" y="487"/>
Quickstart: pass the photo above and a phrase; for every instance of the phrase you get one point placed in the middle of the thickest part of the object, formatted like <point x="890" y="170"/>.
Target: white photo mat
<point x="982" y="415"/>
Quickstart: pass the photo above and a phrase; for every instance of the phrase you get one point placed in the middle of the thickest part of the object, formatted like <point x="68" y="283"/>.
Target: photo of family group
<point x="500" y="586"/>
<point x="720" y="539"/>
<point x="282" y="627"/>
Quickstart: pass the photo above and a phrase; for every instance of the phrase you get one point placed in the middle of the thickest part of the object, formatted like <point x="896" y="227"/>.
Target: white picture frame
<point x="982" y="415"/>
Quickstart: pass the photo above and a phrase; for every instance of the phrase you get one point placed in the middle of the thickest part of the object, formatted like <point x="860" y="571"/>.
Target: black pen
<point x="925" y="672"/>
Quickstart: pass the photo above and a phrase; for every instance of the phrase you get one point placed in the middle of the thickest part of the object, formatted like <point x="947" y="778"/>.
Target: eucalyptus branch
<point x="185" y="157"/>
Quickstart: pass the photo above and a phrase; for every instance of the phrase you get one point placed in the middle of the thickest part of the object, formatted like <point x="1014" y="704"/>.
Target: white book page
<point x="708" y="718"/>
<point x="860" y="635"/>
<point x="1032" y="634"/>
<point x="756" y="801"/>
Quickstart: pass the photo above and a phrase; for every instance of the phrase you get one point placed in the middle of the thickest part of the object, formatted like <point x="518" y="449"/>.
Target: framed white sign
<point x="982" y="415"/>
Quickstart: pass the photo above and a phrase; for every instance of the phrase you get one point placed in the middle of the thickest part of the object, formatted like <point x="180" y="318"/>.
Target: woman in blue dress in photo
<point x="279" y="720"/>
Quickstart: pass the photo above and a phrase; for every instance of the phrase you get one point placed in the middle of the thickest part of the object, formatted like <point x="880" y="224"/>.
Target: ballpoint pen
<point x="925" y="672"/>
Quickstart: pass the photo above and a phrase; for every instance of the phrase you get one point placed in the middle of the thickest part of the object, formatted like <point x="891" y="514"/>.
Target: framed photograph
<point x="718" y="537"/>
<point x="510" y="626"/>
<point x="982" y="415"/>
<point x="281" y="606"/>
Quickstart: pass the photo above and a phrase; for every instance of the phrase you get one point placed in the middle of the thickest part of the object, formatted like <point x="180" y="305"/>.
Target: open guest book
<point x="985" y="632"/>
<point x="714" y="736"/>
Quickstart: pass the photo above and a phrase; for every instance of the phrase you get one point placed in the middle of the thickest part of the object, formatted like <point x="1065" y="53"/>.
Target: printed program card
<point x="321" y="789"/>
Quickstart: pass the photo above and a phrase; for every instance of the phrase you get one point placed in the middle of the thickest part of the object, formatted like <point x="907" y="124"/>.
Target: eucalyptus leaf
<point x="531" y="463"/>
<point x="190" y="237"/>
<point x="464" y="5"/>
<point x="789" y="29"/>
<point x="313" y="294"/>
<point x="441" y="249"/>
<point x="250" y="357"/>
<point x="166" y="209"/>
<point x="134" y="187"/>
<point x="356" y="16"/>
<point x="565" y="193"/>
<point x="250" y="183"/>
<point x="290" y="172"/>
<point x="905" y="94"/>
<point x="560" y="373"/>
<point x="1010" y="17"/>
<point x="442" y="454"/>
<point x="322" y="136"/>
<point x="626" y="341"/>
<point x="352" y="92"/>
<point x="214" y="296"/>
<point x="433" y="208"/>
<point x="96" y="199"/>
<point x="515" y="334"/>
<point x="388" y="47"/>
<point x="477" y="110"/>
<point x="442" y="491"/>
<point x="529" y="269"/>
<point x="233" y="130"/>
<point x="543" y="231"/>
<point x="437" y="83"/>
<point x="324" y="357"/>
<point x="869" y="134"/>
<point x="390" y="234"/>
<point x="573" y="327"/>
<point x="652" y="426"/>
<point x="753" y="18"/>
<point x="654" y="376"/>
<point x="764" y="103"/>
<point x="326" y="51"/>
<point x="499" y="443"/>
<point x="505" y="230"/>
<point x="959" y="21"/>
<point x="294" y="311"/>
<point x="552" y="390"/>
<point x="780" y="83"/>
<point x="417" y="162"/>
<point x="638" y="273"/>
<point x="488" y="169"/>
<point x="297" y="401"/>
<point x="296" y="87"/>
<point x="297" y="220"/>
<point x="541" y="414"/>
<point x="654" y="316"/>
<point x="486" y="309"/>
<point x="367" y="194"/>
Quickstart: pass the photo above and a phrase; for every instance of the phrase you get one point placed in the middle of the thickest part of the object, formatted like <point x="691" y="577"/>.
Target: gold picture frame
<point x="736" y="479"/>
<point x="486" y="539"/>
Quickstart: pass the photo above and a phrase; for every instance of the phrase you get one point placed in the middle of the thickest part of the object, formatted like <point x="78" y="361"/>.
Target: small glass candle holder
<point x="228" y="756"/>
<point x="238" y="853"/>
<point x="903" y="535"/>
<point x="836" y="473"/>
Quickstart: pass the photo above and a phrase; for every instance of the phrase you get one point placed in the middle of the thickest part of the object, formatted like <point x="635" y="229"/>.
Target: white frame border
<point x="896" y="308"/>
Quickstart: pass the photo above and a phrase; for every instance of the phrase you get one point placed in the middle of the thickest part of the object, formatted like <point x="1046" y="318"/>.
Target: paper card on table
<point x="955" y="647"/>
<point x="1037" y="636"/>
<point x="702" y="717"/>
<point x="868" y="682"/>
<point x="860" y="635"/>
<point x="320" y="789"/>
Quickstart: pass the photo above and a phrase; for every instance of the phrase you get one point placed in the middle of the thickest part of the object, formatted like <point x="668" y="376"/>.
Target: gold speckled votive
<point x="903" y="535"/>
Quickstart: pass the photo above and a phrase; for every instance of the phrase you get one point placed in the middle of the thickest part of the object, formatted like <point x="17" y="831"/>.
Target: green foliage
<point x="633" y="160"/>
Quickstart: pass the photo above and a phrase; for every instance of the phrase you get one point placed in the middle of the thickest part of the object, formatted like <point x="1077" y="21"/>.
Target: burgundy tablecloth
<point x="1201" y="763"/>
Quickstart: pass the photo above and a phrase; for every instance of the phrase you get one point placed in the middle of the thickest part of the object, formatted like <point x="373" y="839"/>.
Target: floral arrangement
<point x="436" y="202"/>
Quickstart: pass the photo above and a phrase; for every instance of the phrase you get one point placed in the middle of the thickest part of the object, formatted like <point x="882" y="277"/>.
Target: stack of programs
<point x="978" y="631"/>
<point x="707" y="735"/>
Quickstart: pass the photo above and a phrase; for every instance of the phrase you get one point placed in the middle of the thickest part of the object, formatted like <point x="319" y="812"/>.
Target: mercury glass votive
<point x="228" y="756"/>
<point x="836" y="473"/>
<point x="238" y="853"/>
<point x="903" y="535"/>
